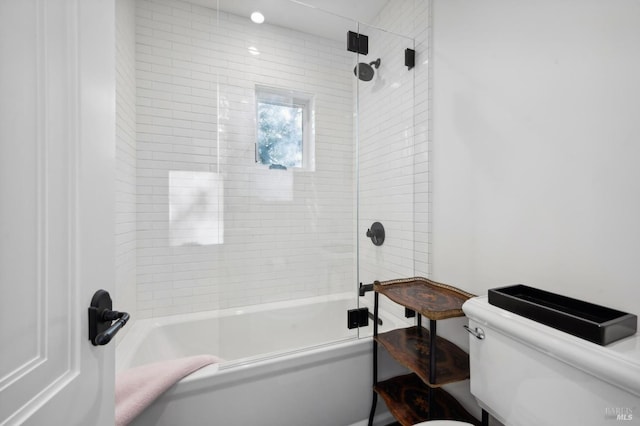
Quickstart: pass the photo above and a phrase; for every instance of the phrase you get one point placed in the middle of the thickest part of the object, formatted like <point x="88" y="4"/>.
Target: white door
<point x="57" y="126"/>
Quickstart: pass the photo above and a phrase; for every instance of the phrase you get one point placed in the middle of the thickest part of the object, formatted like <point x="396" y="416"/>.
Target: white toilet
<point x="525" y="373"/>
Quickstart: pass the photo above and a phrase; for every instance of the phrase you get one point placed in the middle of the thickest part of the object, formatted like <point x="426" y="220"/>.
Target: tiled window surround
<point x="278" y="234"/>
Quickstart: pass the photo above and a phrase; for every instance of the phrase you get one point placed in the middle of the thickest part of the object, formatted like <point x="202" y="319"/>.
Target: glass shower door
<point x="389" y="189"/>
<point x="284" y="150"/>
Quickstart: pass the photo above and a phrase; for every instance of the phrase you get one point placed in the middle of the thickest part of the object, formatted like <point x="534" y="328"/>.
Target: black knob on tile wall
<point x="376" y="233"/>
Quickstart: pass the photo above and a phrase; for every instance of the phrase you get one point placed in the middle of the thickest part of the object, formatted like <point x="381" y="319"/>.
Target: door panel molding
<point x="45" y="353"/>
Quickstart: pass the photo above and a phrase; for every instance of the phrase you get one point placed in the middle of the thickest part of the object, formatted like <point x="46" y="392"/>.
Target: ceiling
<point x="326" y="18"/>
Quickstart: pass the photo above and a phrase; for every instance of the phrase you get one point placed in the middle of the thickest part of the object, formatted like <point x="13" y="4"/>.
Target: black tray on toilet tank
<point x="586" y="320"/>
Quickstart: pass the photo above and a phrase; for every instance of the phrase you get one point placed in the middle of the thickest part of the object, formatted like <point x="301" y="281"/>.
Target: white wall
<point x="125" y="294"/>
<point x="283" y="234"/>
<point x="535" y="147"/>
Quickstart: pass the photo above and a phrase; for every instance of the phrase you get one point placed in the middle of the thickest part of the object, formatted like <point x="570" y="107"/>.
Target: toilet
<point x="525" y="373"/>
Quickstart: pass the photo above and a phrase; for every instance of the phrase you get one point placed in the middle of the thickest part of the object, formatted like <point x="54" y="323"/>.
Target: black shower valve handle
<point x="376" y="233"/>
<point x="373" y="237"/>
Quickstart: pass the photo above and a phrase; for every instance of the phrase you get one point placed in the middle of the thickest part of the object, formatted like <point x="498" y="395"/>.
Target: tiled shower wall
<point x="125" y="157"/>
<point x="394" y="187"/>
<point x="214" y="229"/>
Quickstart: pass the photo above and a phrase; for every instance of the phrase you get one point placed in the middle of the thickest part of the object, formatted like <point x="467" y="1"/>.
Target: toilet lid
<point x="443" y="423"/>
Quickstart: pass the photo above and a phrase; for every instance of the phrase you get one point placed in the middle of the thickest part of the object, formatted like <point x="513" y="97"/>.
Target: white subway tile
<point x="270" y="246"/>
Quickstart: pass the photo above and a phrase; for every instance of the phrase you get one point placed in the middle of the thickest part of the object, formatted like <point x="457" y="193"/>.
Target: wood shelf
<point x="431" y="299"/>
<point x="410" y="347"/>
<point x="407" y="398"/>
<point x="434" y="360"/>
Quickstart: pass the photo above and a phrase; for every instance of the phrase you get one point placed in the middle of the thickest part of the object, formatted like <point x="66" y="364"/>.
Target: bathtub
<point x="291" y="363"/>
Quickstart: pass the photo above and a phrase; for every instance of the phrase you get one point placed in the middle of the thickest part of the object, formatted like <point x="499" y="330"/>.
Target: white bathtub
<point x="292" y="363"/>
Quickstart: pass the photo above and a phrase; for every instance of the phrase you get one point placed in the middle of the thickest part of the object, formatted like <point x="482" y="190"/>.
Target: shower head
<point x="365" y="71"/>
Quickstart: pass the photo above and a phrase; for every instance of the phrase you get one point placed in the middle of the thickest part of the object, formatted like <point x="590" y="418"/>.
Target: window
<point x="284" y="129"/>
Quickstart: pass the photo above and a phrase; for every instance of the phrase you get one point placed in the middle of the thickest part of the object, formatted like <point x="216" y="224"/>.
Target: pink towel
<point x="138" y="387"/>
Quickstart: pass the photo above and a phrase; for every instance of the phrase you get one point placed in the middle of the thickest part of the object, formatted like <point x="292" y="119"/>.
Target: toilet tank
<point x="526" y="373"/>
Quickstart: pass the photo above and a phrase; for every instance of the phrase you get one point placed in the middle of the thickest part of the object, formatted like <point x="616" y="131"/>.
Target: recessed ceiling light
<point x="257" y="17"/>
